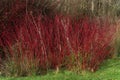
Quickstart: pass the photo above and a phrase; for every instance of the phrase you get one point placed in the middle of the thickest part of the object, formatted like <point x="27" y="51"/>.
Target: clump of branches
<point x="47" y="41"/>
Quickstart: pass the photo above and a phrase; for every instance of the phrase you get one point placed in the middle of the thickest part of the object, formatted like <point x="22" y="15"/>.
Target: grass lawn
<point x="109" y="70"/>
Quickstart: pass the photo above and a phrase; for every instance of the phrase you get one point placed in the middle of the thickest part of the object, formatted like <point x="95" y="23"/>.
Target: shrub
<point x="32" y="40"/>
<point x="92" y="40"/>
<point x="43" y="43"/>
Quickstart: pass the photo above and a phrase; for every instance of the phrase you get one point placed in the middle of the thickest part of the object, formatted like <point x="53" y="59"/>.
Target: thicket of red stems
<point x="50" y="40"/>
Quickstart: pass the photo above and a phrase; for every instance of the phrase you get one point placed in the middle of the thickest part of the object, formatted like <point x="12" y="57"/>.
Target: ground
<point x="109" y="70"/>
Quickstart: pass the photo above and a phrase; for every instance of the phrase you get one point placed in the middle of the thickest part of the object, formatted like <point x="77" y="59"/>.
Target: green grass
<point x="109" y="70"/>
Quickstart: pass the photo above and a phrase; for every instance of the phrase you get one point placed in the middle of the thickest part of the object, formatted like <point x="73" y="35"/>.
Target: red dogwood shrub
<point x="50" y="39"/>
